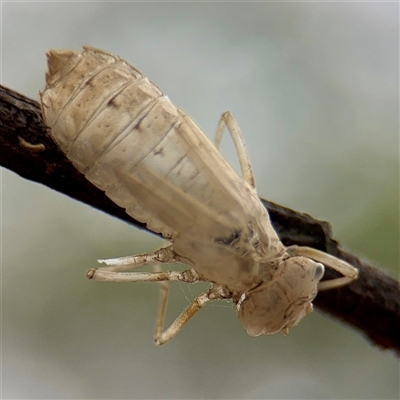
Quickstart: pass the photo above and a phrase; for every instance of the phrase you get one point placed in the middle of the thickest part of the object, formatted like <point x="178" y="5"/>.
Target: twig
<point x="371" y="304"/>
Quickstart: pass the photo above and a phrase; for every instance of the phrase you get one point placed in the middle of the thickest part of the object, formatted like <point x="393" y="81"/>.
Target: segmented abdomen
<point x="150" y="158"/>
<point x="96" y="100"/>
<point x="120" y="130"/>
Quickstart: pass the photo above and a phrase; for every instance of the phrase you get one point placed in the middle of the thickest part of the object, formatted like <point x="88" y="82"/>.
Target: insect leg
<point x="162" y="306"/>
<point x="162" y="255"/>
<point x="104" y="275"/>
<point x="117" y="267"/>
<point x="348" y="271"/>
<point x="160" y="337"/>
<point x="230" y="123"/>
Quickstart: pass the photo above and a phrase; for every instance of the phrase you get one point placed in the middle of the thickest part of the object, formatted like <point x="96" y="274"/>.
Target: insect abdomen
<point x="120" y="130"/>
<point x="93" y="105"/>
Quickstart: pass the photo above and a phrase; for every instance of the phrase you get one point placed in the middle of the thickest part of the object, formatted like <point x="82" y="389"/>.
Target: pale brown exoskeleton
<point x="149" y="157"/>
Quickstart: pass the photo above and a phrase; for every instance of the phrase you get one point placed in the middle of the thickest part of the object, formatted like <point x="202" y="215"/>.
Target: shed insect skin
<point x="149" y="157"/>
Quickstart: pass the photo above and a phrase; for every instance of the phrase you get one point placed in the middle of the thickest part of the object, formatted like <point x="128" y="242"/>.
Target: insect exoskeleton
<point x="282" y="302"/>
<point x="150" y="158"/>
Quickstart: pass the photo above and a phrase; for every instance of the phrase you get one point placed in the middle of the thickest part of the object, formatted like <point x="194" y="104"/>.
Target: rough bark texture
<point x="371" y="304"/>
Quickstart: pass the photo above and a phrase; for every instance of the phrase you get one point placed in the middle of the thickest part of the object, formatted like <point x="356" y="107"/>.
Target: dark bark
<point x="371" y="304"/>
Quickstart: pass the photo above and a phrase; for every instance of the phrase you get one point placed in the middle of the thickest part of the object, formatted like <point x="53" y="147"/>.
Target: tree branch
<point x="371" y="304"/>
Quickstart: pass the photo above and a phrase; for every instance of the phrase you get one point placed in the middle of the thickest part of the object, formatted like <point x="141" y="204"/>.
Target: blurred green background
<point x="315" y="89"/>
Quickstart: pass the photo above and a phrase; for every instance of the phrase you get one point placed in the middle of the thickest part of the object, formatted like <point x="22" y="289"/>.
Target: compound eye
<point x="319" y="271"/>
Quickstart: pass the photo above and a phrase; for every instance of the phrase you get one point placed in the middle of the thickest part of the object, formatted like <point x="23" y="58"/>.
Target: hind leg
<point x="230" y="123"/>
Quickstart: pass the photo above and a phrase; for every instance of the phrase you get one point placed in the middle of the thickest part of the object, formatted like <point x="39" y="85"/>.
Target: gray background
<point x="314" y="87"/>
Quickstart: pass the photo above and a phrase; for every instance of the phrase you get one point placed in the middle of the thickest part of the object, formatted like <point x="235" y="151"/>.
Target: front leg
<point x="162" y="336"/>
<point x="348" y="271"/>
